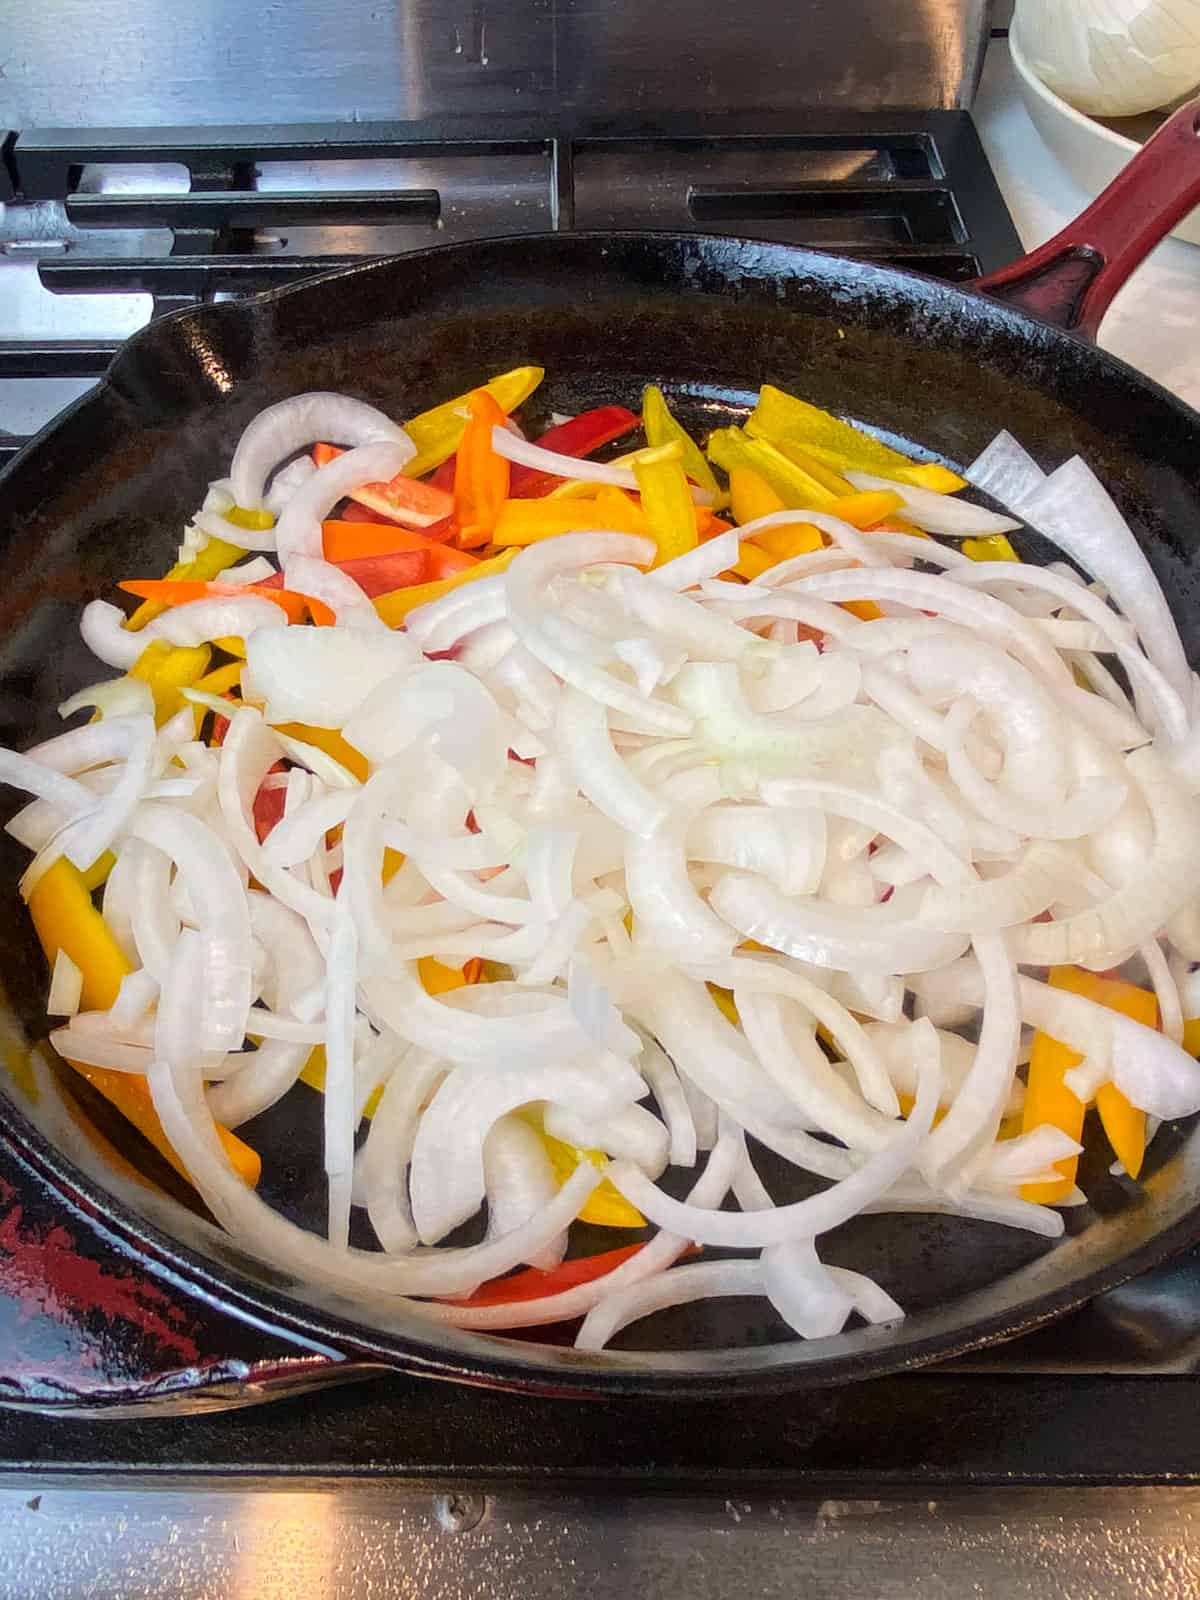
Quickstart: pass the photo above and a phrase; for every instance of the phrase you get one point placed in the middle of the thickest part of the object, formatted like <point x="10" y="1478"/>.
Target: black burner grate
<point x="268" y="206"/>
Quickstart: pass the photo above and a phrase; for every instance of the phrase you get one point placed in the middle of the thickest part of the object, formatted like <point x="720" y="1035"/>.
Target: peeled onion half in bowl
<point x="1092" y="149"/>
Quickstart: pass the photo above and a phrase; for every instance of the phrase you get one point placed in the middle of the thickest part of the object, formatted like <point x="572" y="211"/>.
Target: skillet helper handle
<point x="1070" y="280"/>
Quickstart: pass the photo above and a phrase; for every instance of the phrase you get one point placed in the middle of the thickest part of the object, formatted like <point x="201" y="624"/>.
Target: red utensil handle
<point x="1071" y="279"/>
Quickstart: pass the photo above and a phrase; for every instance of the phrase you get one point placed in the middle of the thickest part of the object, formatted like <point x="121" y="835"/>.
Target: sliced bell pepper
<point x="606" y="1206"/>
<point x="331" y="742"/>
<point x="352" y="541"/>
<point x="523" y="522"/>
<point x="180" y="591"/>
<point x="376" y="575"/>
<point x="254" y="521"/>
<point x="751" y="496"/>
<point x="534" y="1284"/>
<point x="214" y="558"/>
<point x="667" y="501"/>
<point x="781" y="417"/>
<point x="578" y="437"/>
<point x="1191" y="1036"/>
<point x="220" y="683"/>
<point x="394" y="607"/>
<point x="436" y="432"/>
<point x="437" y="978"/>
<point x="797" y="488"/>
<point x="482" y="478"/>
<point x="995" y="547"/>
<point x="1048" y="1100"/>
<point x="169" y="669"/>
<point x="65" y="919"/>
<point x="663" y="428"/>
<point x="866" y="509"/>
<point x="401" y="499"/>
<point x="831" y="481"/>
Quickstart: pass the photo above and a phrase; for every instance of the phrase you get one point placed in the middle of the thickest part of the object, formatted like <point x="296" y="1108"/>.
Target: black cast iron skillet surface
<point x="104" y="491"/>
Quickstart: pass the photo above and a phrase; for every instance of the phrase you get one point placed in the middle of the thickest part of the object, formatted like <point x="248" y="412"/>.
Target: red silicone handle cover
<point x="1071" y="279"/>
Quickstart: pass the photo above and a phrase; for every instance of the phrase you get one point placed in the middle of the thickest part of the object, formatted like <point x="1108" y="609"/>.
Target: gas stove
<point x="103" y="229"/>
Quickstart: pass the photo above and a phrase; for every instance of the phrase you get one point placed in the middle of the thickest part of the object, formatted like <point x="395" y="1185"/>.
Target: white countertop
<point x="1154" y="323"/>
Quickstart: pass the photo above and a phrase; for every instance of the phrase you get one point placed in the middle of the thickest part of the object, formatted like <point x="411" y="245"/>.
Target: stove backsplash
<point x="126" y="63"/>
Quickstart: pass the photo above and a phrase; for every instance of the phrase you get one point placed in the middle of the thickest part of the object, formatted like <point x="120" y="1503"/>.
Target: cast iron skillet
<point x="103" y="492"/>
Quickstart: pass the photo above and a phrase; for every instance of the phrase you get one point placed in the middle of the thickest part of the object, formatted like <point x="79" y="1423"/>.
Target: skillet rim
<point x="491" y="1360"/>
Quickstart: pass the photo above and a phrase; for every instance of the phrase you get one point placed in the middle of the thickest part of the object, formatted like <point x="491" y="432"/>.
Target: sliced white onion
<point x="302" y="420"/>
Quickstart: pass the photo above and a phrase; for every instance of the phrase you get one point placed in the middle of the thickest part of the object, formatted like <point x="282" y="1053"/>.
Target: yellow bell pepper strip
<point x="394" y="607"/>
<point x="995" y="547"/>
<point x="221" y="682"/>
<point x="436" y="433"/>
<point x="1048" y="1100"/>
<point x="606" y="1207"/>
<point x="662" y="428"/>
<point x="482" y="478"/>
<point x="214" y="558"/>
<point x="65" y="919"/>
<point x="331" y="742"/>
<point x="667" y="503"/>
<point x="723" y="1000"/>
<point x="246" y="517"/>
<point x="781" y="417"/>
<point x="1191" y="1036"/>
<point x="829" y="480"/>
<point x="99" y="870"/>
<point x="798" y="489"/>
<point x="169" y="669"/>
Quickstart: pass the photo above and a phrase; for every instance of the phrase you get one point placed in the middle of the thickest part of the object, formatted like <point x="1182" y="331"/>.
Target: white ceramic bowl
<point x="1093" y="151"/>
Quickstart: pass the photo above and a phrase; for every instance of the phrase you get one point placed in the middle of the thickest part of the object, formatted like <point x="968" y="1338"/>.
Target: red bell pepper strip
<point x="443" y="477"/>
<point x="482" y="479"/>
<point x="401" y="499"/>
<point x="269" y="803"/>
<point x="180" y="591"/>
<point x="351" y="541"/>
<point x="577" y="437"/>
<point x="534" y="1284"/>
<point x="377" y="575"/>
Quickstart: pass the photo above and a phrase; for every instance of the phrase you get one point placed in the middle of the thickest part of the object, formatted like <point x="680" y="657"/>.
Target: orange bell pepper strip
<point x="180" y="591"/>
<point x="394" y="607"/>
<point x="866" y="509"/>
<point x="1048" y="1100"/>
<point x="482" y="478"/>
<point x="214" y="558"/>
<point x="667" y="501"/>
<point x="436" y="433"/>
<point x="355" y="541"/>
<point x="524" y="522"/>
<point x="65" y="919"/>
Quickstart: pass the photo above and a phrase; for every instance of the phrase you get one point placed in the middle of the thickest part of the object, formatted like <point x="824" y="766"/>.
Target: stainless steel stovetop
<point x="974" y="1477"/>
